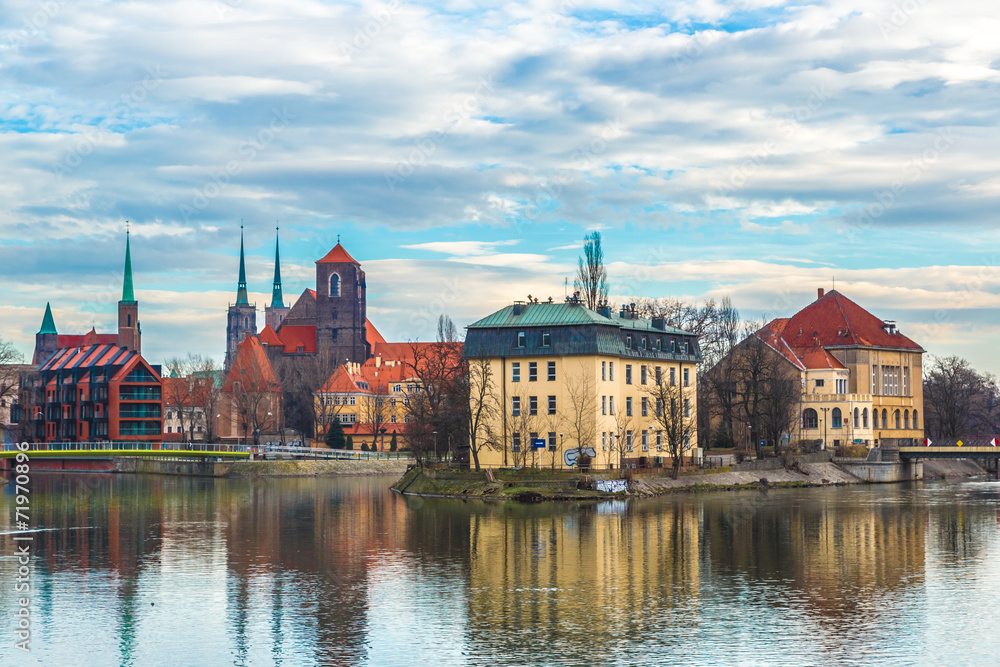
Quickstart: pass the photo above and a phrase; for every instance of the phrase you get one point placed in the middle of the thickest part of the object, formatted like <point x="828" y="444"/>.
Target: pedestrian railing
<point x="332" y="454"/>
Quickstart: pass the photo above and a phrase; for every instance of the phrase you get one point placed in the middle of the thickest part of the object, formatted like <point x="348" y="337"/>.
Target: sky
<point x="756" y="149"/>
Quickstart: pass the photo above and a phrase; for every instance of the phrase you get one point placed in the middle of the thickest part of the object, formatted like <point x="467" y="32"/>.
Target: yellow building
<point x="862" y="380"/>
<point x="616" y="387"/>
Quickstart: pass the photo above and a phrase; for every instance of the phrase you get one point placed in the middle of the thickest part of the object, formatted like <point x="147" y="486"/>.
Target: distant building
<point x="92" y="387"/>
<point x="861" y="379"/>
<point x="581" y="380"/>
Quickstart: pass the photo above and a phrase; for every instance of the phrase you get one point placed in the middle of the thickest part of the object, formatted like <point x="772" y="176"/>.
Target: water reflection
<point x="159" y="570"/>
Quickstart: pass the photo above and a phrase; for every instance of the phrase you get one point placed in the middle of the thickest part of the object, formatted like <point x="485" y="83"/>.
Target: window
<point x="916" y="424"/>
<point x="857" y="418"/>
<point x="611" y="371"/>
<point x="515" y="371"/>
<point x="334" y="284"/>
<point x="644" y="342"/>
<point x="906" y="381"/>
<point x="875" y="382"/>
<point x="628" y="440"/>
<point x="687" y="407"/>
<point x="397" y="388"/>
<point x="673" y="377"/>
<point x="392" y="402"/>
<point x="874" y="418"/>
<point x="895" y="418"/>
<point x="611" y="404"/>
<point x="604" y="440"/>
<point x="659" y="408"/>
<point x="628" y="406"/>
<point x="687" y="377"/>
<point x="645" y="441"/>
<point x="532" y="371"/>
<point x="392" y="419"/>
<point x="532" y="405"/>
<point x="810" y="418"/>
<point x="628" y="373"/>
<point x="170" y="429"/>
<point x="659" y="344"/>
<point x="906" y="419"/>
<point x="515" y="406"/>
<point x="354" y="400"/>
<point x="552" y="405"/>
<point x="864" y="418"/>
<point x="673" y="346"/>
<point x="604" y="405"/>
<point x="546" y="339"/>
<point x="836" y="418"/>
<point x="628" y="341"/>
<point x="604" y="370"/>
<point x="885" y="419"/>
<point x="642" y="374"/>
<point x="515" y="442"/>
<point x="519" y="341"/>
<point x="645" y="407"/>
<point x="659" y="441"/>
<point x="552" y="371"/>
<point x="842" y="386"/>
<point x="552" y="441"/>
<point x="659" y="376"/>
<point x="820" y="383"/>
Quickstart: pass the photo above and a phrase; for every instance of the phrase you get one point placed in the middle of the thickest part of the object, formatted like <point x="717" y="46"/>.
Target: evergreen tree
<point x="392" y="443"/>
<point x="350" y="443"/>
<point x="364" y="446"/>
<point x="335" y="435"/>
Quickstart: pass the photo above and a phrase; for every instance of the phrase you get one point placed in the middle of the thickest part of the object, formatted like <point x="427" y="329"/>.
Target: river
<point x="155" y="570"/>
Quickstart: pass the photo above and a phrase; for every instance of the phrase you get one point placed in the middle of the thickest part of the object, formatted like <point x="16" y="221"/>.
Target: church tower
<point x="275" y="313"/>
<point x="129" y="331"/>
<point x="47" y="338"/>
<point x="242" y="315"/>
<point x="341" y="308"/>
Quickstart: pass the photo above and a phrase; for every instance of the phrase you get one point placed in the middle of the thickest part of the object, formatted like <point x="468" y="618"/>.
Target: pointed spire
<point x="128" y="294"/>
<point x="276" y="300"/>
<point x="48" y="324"/>
<point x="241" y="288"/>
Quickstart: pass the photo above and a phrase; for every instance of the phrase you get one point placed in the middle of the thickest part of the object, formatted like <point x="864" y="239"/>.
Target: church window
<point x="333" y="334"/>
<point x="334" y="285"/>
<point x="246" y="322"/>
<point x="129" y="318"/>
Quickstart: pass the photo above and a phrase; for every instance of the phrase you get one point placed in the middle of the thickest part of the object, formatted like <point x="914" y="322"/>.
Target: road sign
<point x="995" y="442"/>
<point x="928" y="442"/>
<point x="538" y="443"/>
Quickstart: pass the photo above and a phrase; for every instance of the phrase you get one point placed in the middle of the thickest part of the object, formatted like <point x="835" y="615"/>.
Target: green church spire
<point x="276" y="300"/>
<point x="241" y="288"/>
<point x="128" y="294"/>
<point x="48" y="324"/>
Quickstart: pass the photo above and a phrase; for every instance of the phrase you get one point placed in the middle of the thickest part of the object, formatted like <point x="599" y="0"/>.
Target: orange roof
<point x="269" y="337"/>
<point x="295" y="337"/>
<point x="352" y="379"/>
<point x="372" y="334"/>
<point x="311" y="292"/>
<point x="337" y="256"/>
<point x="252" y="368"/>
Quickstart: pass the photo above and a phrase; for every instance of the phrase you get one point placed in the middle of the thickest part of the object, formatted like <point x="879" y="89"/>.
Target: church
<point x="330" y="320"/>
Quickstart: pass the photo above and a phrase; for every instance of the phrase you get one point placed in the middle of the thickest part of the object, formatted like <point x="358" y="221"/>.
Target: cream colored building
<point x="862" y="380"/>
<point x="583" y="380"/>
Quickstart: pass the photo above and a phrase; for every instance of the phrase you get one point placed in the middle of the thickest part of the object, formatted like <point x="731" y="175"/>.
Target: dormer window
<point x="520" y="339"/>
<point x="628" y="341"/>
<point x="546" y="339"/>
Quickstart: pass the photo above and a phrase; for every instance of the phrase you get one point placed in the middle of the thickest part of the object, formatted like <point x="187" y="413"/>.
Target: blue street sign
<point x="538" y="443"/>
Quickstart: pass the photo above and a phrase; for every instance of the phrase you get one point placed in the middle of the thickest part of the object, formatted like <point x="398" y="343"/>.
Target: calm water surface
<point x="133" y="570"/>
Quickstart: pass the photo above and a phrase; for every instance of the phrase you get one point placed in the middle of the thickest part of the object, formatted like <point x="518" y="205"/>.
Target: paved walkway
<point x="818" y="474"/>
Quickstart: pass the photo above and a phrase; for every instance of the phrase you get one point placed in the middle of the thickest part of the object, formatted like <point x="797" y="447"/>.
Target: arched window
<point x="916" y="424"/>
<point x="129" y="317"/>
<point x="836" y="418"/>
<point x="810" y="419"/>
<point x="246" y="322"/>
<point x="334" y="284"/>
<point x="864" y="418"/>
<point x="885" y="418"/>
<point x="895" y="418"/>
<point x="857" y="418"/>
<point x="906" y="419"/>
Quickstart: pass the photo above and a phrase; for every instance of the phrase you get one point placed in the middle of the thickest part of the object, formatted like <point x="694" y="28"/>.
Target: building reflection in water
<point x="342" y="571"/>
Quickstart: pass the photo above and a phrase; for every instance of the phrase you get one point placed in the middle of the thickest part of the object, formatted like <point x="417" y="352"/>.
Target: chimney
<point x="658" y="323"/>
<point x="820" y="292"/>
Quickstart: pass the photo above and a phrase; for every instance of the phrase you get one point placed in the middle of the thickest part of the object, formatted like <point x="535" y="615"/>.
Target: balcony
<point x="140" y="394"/>
<point x="812" y="399"/>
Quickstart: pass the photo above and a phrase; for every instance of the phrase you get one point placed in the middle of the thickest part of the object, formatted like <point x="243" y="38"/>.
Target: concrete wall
<point x="882" y="472"/>
<point x="159" y="467"/>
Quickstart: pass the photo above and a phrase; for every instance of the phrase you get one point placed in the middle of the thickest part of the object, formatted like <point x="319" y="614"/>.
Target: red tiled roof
<point x="836" y="321"/>
<point x="269" y="337"/>
<point x="294" y="337"/>
<point x="372" y="334"/>
<point x="311" y="292"/>
<point x="345" y="379"/>
<point x="252" y="367"/>
<point x="831" y="321"/>
<point x="337" y="256"/>
<point x="76" y="340"/>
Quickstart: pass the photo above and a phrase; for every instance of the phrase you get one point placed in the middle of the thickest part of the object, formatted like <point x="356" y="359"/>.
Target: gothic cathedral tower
<point x="242" y="320"/>
<point x="129" y="331"/>
<point x="341" y="310"/>
<point x="274" y="314"/>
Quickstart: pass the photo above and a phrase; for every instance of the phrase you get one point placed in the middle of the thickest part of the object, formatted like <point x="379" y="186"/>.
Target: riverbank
<point x="317" y="468"/>
<point x="537" y="485"/>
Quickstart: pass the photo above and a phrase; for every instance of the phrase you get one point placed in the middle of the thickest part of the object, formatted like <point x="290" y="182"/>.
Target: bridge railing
<point x="333" y="454"/>
<point x="105" y="446"/>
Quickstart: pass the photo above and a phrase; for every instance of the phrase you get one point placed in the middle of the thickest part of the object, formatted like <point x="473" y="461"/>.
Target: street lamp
<point x="825" y="410"/>
<point x="217" y="418"/>
<point x="560" y="449"/>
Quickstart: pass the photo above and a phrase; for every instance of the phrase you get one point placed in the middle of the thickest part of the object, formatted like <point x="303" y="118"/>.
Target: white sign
<point x="995" y="442"/>
<point x="612" y="485"/>
<point x="928" y="442"/>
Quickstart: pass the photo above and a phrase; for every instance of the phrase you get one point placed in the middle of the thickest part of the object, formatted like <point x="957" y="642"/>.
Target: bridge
<point x="972" y="447"/>
<point x="91" y="450"/>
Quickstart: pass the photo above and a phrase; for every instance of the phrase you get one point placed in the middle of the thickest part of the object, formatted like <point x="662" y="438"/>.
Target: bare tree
<point x="675" y="419"/>
<point x="179" y="393"/>
<point x="580" y="416"/>
<point x="374" y="410"/>
<point x="592" y="275"/>
<point x="210" y="373"/>
<point x="256" y="398"/>
<point x="622" y="441"/>
<point x="958" y="400"/>
<point x="483" y="408"/>
<point x="11" y="369"/>
<point x="301" y="377"/>
<point x="524" y="425"/>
